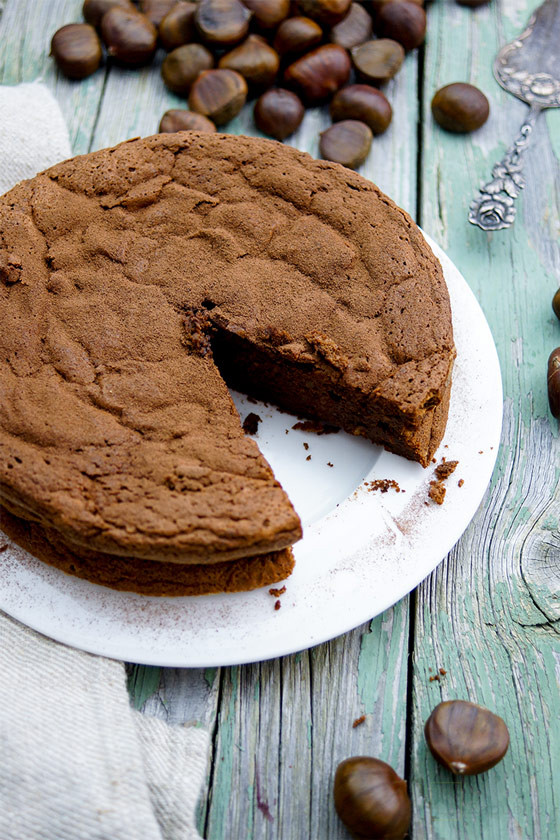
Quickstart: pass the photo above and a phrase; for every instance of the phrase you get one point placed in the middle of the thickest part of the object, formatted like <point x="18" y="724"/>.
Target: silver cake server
<point x="529" y="68"/>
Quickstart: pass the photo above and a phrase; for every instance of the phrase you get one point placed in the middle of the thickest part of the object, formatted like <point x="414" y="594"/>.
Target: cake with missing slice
<point x="135" y="282"/>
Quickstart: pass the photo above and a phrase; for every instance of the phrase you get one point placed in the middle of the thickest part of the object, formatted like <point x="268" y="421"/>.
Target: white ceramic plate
<point x="362" y="551"/>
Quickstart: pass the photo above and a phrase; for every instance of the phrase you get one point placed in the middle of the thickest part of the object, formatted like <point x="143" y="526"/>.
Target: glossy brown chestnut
<point x="556" y="304"/>
<point x="378" y="61"/>
<point x="267" y="14"/>
<point x="182" y="67"/>
<point x="155" y="10"/>
<point x="364" y="103"/>
<point x="371" y="799"/>
<point x="255" y="59"/>
<point x="404" y="22"/>
<point x="278" y="113"/>
<point x="93" y="10"/>
<point x="179" y="119"/>
<point x="465" y="738"/>
<point x="222" y="23"/>
<point x="129" y="36"/>
<point x="76" y="50"/>
<point x="219" y="95"/>
<point x="177" y="27"/>
<point x="554" y="382"/>
<point x="354" y="29"/>
<point x="325" y="12"/>
<point x="297" y="35"/>
<point x="320" y="73"/>
<point x="347" y="142"/>
<point x="460" y="107"/>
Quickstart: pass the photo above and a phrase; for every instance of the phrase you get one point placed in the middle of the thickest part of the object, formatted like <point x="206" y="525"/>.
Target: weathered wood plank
<point x="489" y="614"/>
<point x="285" y="724"/>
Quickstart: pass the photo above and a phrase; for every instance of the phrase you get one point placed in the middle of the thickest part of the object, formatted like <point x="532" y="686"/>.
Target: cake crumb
<point x="382" y="484"/>
<point x="277" y="592"/>
<point x="358" y="721"/>
<point x="433" y="460"/>
<point x="435" y="678"/>
<point x="460" y="482"/>
<point x="305" y="445"/>
<point x="437" y="492"/>
<point x="308" y="458"/>
<point x="481" y="451"/>
<point x="277" y="605"/>
<point x="443" y="672"/>
<point x="329" y="464"/>
<point x="445" y="469"/>
<point x="315" y="426"/>
<point x="251" y="423"/>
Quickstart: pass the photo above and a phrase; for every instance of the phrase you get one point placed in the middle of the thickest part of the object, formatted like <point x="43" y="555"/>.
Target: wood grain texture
<point x="489" y="614"/>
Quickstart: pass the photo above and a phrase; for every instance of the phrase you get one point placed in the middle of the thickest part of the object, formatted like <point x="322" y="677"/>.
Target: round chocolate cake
<point x="135" y="282"/>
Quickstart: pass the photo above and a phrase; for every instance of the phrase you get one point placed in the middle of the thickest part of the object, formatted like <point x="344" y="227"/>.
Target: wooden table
<point x="490" y="614"/>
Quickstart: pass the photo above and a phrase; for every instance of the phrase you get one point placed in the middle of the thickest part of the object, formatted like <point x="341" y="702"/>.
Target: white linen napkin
<point x="76" y="762"/>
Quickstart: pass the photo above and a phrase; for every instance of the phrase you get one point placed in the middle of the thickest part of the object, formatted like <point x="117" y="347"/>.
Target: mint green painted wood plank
<point x="285" y="724"/>
<point x="489" y="615"/>
<point x="26" y="29"/>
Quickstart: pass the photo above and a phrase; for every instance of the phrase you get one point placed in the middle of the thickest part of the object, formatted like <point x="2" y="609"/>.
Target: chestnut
<point x="556" y="304"/>
<point x="465" y="738"/>
<point x="365" y="103"/>
<point x="319" y="73"/>
<point x="131" y="39"/>
<point x="93" y="10"/>
<point x="460" y="107"/>
<point x="347" y="142"/>
<point x="371" y="799"/>
<point x="325" y="12"/>
<point x="377" y="61"/>
<point x="354" y="29"/>
<point x="267" y="14"/>
<point x="155" y="10"/>
<point x="257" y="62"/>
<point x="177" y="27"/>
<point x="222" y="23"/>
<point x="179" y="119"/>
<point x="554" y="383"/>
<point x="76" y="50"/>
<point x="182" y="67"/>
<point x="297" y="35"/>
<point x="218" y="94"/>
<point x="278" y="113"/>
<point x="402" y="21"/>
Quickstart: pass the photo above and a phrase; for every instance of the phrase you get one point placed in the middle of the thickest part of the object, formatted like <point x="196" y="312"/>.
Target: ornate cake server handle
<point x="529" y="68"/>
<point x="494" y="208"/>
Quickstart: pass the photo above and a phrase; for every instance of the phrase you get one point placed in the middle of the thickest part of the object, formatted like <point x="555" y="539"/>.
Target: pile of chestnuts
<point x="372" y="800"/>
<point x="286" y="54"/>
